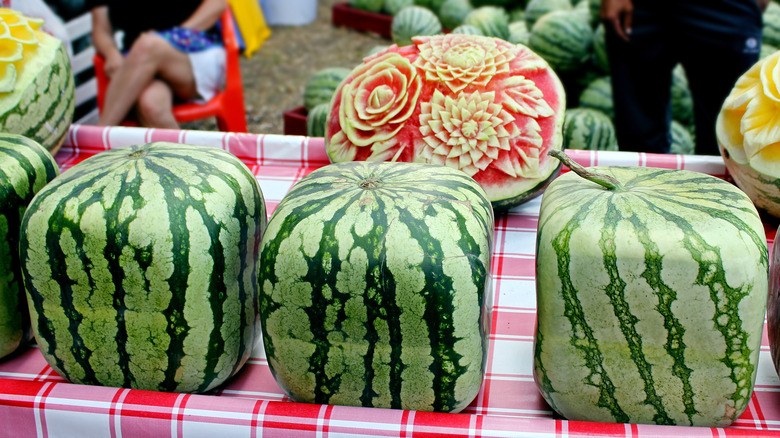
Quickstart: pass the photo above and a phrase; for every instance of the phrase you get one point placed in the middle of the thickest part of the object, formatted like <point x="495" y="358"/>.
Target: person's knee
<point x="153" y="103"/>
<point x="147" y="47"/>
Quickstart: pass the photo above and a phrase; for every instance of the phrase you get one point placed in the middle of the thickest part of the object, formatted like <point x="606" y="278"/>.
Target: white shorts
<point x="208" y="66"/>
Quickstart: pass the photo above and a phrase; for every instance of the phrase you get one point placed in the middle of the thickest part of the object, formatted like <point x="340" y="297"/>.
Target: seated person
<point x="170" y="50"/>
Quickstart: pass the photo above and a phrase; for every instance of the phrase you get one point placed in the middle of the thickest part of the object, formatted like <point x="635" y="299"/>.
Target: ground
<point x="274" y="76"/>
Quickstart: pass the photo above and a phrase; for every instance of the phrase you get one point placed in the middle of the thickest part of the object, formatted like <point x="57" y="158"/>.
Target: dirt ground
<point x="274" y="76"/>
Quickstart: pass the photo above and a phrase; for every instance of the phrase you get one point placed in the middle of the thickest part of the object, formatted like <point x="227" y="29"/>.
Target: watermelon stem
<point x="601" y="179"/>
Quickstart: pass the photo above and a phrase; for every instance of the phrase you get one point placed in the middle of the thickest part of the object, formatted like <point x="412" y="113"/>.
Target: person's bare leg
<point x="149" y="57"/>
<point x="155" y="106"/>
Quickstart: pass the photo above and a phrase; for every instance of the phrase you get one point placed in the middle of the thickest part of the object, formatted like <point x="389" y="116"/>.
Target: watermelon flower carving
<point x="479" y="104"/>
<point x="748" y="132"/>
<point x="17" y="38"/>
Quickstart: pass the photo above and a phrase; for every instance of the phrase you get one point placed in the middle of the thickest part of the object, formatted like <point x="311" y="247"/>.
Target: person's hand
<point x="763" y="4"/>
<point x="112" y="64"/>
<point x="617" y="15"/>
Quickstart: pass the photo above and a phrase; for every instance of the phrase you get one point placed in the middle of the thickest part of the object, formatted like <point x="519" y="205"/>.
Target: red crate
<point x="363" y="21"/>
<point x="295" y="121"/>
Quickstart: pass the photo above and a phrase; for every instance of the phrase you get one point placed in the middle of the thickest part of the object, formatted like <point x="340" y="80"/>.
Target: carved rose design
<point x="487" y="107"/>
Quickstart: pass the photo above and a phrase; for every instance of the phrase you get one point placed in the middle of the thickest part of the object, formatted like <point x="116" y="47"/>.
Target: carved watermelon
<point x="479" y="104"/>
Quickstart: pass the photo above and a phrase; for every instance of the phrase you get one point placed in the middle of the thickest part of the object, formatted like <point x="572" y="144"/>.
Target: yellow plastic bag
<point x="251" y="24"/>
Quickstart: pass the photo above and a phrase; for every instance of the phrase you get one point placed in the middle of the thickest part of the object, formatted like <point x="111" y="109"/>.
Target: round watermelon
<point x="493" y="21"/>
<point x="140" y="265"/>
<point x="564" y="39"/>
<point x="587" y="128"/>
<point x="682" y="140"/>
<point x="37" y="88"/>
<point x="535" y="9"/>
<point x="482" y="105"/>
<point x="412" y="21"/>
<point x="320" y="86"/>
<point x="518" y="33"/>
<point x="375" y="287"/>
<point x="317" y="119"/>
<point x="651" y="287"/>
<point x="392" y="7"/>
<point x="466" y="29"/>
<point x="25" y="168"/>
<point x="598" y="95"/>
<point x="453" y="12"/>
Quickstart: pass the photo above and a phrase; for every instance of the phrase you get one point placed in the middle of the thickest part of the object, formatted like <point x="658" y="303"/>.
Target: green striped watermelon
<point x="682" y="99"/>
<point x="374" y="282"/>
<point x="413" y="21"/>
<point x="37" y="92"/>
<point x="564" y="39"/>
<point x="535" y="9"/>
<point x="453" y="12"/>
<point x="651" y="290"/>
<point x="682" y="140"/>
<point x="493" y="21"/>
<point x="392" y="7"/>
<point x="598" y="95"/>
<point x="320" y="86"/>
<point x="140" y="265"/>
<point x="317" y="120"/>
<point x="25" y="167"/>
<point x="771" y="25"/>
<point x="518" y="33"/>
<point x="600" y="57"/>
<point x="467" y="29"/>
<point x="587" y="128"/>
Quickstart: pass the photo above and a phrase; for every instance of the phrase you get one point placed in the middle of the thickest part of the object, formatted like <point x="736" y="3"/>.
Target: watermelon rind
<point x="25" y="168"/>
<point x="140" y="266"/>
<point x="493" y="21"/>
<point x="375" y="287"/>
<point x="317" y="119"/>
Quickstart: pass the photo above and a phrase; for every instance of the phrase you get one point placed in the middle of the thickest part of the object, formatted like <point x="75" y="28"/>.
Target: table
<point x="35" y="401"/>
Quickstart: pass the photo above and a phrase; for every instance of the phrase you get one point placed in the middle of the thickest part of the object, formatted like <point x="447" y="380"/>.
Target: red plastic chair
<point x="227" y="106"/>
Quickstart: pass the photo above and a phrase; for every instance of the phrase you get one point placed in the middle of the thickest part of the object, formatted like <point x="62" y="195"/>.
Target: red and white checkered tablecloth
<point x="35" y="401"/>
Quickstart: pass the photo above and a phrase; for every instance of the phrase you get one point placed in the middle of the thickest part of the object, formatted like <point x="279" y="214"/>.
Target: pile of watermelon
<point x="569" y="36"/>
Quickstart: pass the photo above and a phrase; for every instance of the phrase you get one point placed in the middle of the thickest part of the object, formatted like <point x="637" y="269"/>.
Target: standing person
<point x="716" y="41"/>
<point x="170" y="50"/>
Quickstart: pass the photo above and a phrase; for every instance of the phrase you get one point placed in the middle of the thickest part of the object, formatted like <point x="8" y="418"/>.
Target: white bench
<point x="79" y="30"/>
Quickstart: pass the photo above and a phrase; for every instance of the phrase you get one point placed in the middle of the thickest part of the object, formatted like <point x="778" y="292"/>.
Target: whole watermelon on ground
<point x="367" y="5"/>
<point x="317" y="119"/>
<point x="413" y="21"/>
<point x="140" y="265"/>
<point x="589" y="129"/>
<point x="564" y="38"/>
<point x="453" y="12"/>
<point x="320" y="86"/>
<point x="37" y="97"/>
<point x="535" y="9"/>
<point x="651" y="291"/>
<point x="375" y="287"/>
<point x="748" y="134"/>
<point x="25" y="167"/>
<point x="491" y="20"/>
<point x="482" y="105"/>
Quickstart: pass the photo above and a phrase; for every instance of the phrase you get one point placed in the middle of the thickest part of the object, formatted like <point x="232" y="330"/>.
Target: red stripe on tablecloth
<point x="177" y="415"/>
<point x="257" y="421"/>
<point x="115" y="413"/>
<point x="40" y="408"/>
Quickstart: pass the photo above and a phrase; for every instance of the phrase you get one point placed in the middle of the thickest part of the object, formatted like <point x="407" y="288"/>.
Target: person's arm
<point x="206" y="15"/>
<point x="617" y="15"/>
<point x="103" y="40"/>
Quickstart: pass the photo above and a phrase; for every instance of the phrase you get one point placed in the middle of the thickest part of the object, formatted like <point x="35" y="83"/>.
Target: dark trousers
<point x="716" y="41"/>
